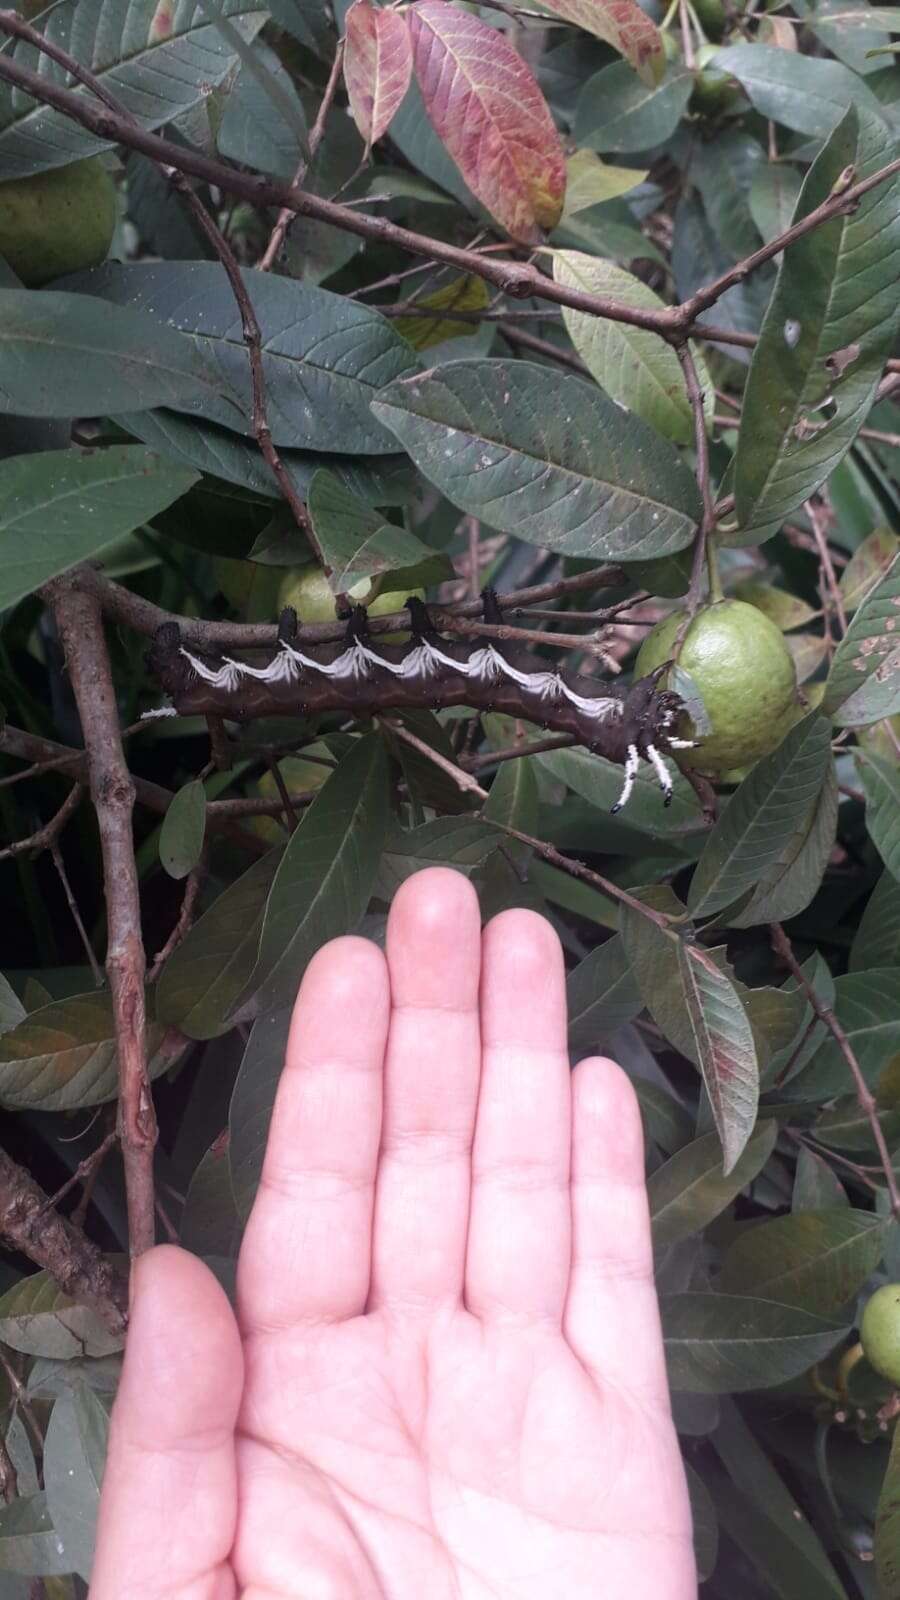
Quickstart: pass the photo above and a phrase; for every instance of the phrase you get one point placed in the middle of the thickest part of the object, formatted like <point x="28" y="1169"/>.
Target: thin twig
<point x="286" y="214"/>
<point x="575" y="869"/>
<point x="80" y="624"/>
<point x="192" y="887"/>
<point x="84" y="1169"/>
<point x="63" y="876"/>
<point x="516" y="278"/>
<point x="781" y="944"/>
<point x="45" y="838"/>
<point x="289" y="814"/>
<point x="23" y="1401"/>
<point x="703" y="552"/>
<point x="536" y="747"/>
<point x="820" y="534"/>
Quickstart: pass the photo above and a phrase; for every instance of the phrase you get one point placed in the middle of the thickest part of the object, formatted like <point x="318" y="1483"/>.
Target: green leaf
<point x="461" y="842"/>
<point x="11" y="1008"/>
<point x="864" y="681"/>
<point x="635" y="366"/>
<point x="38" y="1319"/>
<point x="263" y="129"/>
<point x="877" y="942"/>
<point x="324" y="356"/>
<point x="881" y="782"/>
<point x="785" y="610"/>
<point x="546" y="456"/>
<point x="705" y="1525"/>
<point x="728" y="1344"/>
<point x="600" y="782"/>
<point x="799" y="91"/>
<point x="689" y="1190"/>
<point x="65" y="355"/>
<point x="866" y="1007"/>
<point x="205" y="973"/>
<point x="602" y="995"/>
<point x="325" y="877"/>
<point x="867" y="566"/>
<point x="210" y="1225"/>
<point x="700" y="1011"/>
<point x="665" y="1119"/>
<point x="513" y="801"/>
<point x="846" y="1126"/>
<point x="816" y="1186"/>
<point x="357" y="542"/>
<point x="252" y="1099"/>
<point x="823" y="345"/>
<point x="763" y="1518"/>
<point x="74" y="1458"/>
<point x="817" y="1260"/>
<point x="590" y="182"/>
<point x="157" y="59"/>
<point x="763" y="823"/>
<point x="887" y="1527"/>
<point x="29" y="1543"/>
<point x="58" y="508"/>
<point x="618" y="113"/>
<point x="64" y="1056"/>
<point x="461" y="294"/>
<point x="182" y="831"/>
<point x="387" y="480"/>
<point x="793" y="880"/>
<point x="774" y="192"/>
<point x="486" y="108"/>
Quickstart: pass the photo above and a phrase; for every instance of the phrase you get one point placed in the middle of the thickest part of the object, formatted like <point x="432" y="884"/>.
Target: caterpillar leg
<point x="662" y="772"/>
<point x="632" y="762"/>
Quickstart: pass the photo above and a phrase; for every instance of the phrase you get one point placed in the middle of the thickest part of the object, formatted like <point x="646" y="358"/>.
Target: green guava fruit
<point x="57" y="222"/>
<point x="745" y="674"/>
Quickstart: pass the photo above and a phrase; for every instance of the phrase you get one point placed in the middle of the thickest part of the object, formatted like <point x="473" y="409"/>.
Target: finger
<point x="430" y="1092"/>
<point x="519" y="1224"/>
<point x="306" y="1253"/>
<point x="169" y="1502"/>
<point x="612" y="1315"/>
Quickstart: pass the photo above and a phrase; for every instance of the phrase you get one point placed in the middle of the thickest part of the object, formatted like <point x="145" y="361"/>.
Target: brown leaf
<point x="485" y="106"/>
<point x="622" y="24"/>
<point x="377" y="67"/>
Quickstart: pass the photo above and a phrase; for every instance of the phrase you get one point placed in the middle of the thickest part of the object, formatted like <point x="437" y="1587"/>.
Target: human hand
<point x="447" y="1377"/>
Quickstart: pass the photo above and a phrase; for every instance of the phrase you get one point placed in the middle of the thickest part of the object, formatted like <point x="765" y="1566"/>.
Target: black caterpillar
<point x="625" y="725"/>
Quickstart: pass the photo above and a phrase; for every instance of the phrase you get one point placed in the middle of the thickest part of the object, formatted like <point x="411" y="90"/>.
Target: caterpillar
<point x="626" y="725"/>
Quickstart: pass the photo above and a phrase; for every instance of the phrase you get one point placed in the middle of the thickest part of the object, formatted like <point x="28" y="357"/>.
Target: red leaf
<point x="377" y="67"/>
<point x="484" y="104"/>
<point x="622" y="24"/>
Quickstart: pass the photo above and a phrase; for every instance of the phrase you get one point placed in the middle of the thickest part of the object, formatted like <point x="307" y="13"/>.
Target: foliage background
<point x="745" y="971"/>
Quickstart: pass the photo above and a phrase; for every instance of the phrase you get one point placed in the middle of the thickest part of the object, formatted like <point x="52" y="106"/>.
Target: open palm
<point x="446" y="1382"/>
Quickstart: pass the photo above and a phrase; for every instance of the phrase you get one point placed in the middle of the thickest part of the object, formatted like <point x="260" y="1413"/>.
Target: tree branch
<point x="515" y="278"/>
<point x="29" y="1223"/>
<point x="80" y="624"/>
<point x="145" y="617"/>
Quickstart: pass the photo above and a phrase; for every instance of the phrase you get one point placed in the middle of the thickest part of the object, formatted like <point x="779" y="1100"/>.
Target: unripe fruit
<point x="745" y="674"/>
<point x="880" y="1331"/>
<point x="306" y="589"/>
<point x="57" y="222"/>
